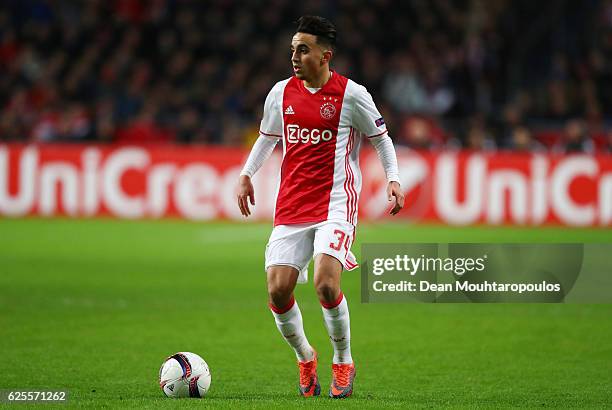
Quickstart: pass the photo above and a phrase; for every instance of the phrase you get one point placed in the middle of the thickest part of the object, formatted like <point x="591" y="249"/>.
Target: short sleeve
<point x="366" y="117"/>
<point x="271" y="123"/>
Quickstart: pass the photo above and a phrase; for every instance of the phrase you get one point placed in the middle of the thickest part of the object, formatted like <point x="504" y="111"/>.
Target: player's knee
<point x="280" y="299"/>
<point x="280" y="291"/>
<point x="327" y="278"/>
<point x="327" y="290"/>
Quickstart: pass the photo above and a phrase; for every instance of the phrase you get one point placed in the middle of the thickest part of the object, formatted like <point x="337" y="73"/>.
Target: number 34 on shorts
<point x="295" y="245"/>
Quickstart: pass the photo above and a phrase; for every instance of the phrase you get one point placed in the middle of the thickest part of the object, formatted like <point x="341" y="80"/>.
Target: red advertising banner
<point x="198" y="182"/>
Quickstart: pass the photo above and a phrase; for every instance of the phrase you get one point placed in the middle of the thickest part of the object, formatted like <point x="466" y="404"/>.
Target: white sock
<point x="289" y="323"/>
<point x="338" y="324"/>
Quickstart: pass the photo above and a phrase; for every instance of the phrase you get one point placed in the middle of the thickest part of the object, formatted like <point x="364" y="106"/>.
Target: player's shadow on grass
<point x="291" y="396"/>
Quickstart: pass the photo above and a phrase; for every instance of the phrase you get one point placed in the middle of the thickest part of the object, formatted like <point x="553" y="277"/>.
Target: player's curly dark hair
<point x="320" y="27"/>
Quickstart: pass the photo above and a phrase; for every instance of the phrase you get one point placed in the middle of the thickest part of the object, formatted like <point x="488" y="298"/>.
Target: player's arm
<point x="386" y="155"/>
<point x="368" y="120"/>
<point x="270" y="132"/>
<point x="262" y="149"/>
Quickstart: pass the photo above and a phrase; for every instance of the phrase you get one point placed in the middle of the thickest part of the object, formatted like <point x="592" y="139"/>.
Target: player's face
<point x="307" y="57"/>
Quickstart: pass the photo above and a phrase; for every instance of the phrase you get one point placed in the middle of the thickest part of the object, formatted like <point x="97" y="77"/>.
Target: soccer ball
<point x="184" y="374"/>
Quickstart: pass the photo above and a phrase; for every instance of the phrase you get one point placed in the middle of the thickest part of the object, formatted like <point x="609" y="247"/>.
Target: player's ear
<point x="327" y="55"/>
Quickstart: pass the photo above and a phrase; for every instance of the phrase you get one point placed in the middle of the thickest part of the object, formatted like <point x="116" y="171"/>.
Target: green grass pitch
<point x="94" y="306"/>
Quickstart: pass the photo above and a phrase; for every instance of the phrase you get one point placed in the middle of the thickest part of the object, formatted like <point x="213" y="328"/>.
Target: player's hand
<point x="394" y="190"/>
<point x="246" y="194"/>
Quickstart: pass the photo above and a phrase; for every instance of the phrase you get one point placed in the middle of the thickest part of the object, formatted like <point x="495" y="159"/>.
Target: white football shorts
<point x="295" y="245"/>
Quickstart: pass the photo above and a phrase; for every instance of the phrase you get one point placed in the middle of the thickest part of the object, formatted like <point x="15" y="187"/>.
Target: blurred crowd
<point x="475" y="74"/>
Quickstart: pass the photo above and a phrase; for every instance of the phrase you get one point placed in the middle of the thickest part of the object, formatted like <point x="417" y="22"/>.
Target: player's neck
<point x="320" y="81"/>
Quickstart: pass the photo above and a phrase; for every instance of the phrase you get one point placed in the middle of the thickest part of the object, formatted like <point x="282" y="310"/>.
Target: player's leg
<point x="330" y="251"/>
<point x="281" y="280"/>
<point x="284" y="260"/>
<point x="288" y="318"/>
<point x="328" y="271"/>
<point x="286" y="312"/>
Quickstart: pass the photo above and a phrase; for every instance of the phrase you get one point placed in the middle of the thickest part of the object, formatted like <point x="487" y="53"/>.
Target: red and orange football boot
<point x="309" y="381"/>
<point x="342" y="380"/>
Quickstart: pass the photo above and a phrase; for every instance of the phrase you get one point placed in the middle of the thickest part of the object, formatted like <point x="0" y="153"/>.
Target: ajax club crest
<point x="328" y="110"/>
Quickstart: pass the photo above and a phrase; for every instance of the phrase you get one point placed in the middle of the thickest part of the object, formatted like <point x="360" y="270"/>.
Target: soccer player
<point x="321" y="117"/>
